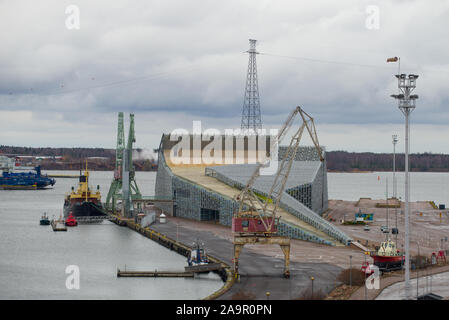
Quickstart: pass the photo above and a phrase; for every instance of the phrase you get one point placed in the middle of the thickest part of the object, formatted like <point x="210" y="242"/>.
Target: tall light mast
<point x="395" y="141"/>
<point x="251" y="103"/>
<point x="407" y="103"/>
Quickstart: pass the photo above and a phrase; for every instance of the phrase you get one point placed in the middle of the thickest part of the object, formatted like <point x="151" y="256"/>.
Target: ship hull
<point x="387" y="263"/>
<point x="84" y="209"/>
<point x="17" y="187"/>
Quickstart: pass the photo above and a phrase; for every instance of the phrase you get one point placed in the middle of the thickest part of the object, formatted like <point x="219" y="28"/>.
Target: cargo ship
<point x="83" y="202"/>
<point x="25" y="180"/>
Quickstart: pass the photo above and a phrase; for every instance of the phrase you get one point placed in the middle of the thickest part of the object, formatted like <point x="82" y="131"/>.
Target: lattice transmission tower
<point x="251" y="103"/>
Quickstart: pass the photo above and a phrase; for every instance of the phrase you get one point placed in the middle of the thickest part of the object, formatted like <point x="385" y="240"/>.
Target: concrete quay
<point x="259" y="273"/>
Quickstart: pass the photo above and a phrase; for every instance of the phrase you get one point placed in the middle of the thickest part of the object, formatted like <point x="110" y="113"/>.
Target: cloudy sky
<point x="174" y="61"/>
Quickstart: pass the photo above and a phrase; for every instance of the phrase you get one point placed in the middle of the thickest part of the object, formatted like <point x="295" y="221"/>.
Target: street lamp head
<point x="395" y="138"/>
<point x="414" y="96"/>
<point x="397" y="96"/>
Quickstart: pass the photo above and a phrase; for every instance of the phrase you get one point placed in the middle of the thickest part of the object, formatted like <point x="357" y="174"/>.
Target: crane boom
<point x="266" y="207"/>
<point x="258" y="223"/>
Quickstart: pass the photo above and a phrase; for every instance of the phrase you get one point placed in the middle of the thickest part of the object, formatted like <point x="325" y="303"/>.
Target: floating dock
<point x="58" y="225"/>
<point x="155" y="274"/>
<point x="72" y="176"/>
<point x="204" y="267"/>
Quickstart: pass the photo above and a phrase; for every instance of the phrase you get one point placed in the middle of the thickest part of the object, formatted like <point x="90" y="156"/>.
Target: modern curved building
<point x="206" y="192"/>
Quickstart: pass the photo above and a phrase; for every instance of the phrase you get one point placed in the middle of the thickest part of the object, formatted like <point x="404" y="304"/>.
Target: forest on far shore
<point x="336" y="160"/>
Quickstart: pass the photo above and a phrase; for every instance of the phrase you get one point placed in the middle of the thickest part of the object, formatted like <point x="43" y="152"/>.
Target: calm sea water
<point x="33" y="258"/>
<point x="424" y="186"/>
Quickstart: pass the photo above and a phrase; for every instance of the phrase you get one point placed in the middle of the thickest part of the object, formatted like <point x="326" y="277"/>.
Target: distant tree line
<point x="336" y="160"/>
<point x="73" y="157"/>
<point x="70" y="153"/>
<point x="368" y="161"/>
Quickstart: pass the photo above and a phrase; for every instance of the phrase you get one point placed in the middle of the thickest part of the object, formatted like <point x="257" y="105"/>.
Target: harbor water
<point x="424" y="186"/>
<point x="33" y="258"/>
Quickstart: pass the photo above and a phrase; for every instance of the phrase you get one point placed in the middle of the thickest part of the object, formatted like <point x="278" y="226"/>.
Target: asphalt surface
<point x="259" y="273"/>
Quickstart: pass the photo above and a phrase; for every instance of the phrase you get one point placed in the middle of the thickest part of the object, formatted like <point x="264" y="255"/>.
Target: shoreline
<point x="328" y="171"/>
<point x="226" y="275"/>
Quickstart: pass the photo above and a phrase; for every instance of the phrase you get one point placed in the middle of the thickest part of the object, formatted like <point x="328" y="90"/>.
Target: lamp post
<point x="350" y="270"/>
<point x="395" y="141"/>
<point x="312" y="278"/>
<point x="406" y="104"/>
<point x="366" y="293"/>
<point x="417" y="271"/>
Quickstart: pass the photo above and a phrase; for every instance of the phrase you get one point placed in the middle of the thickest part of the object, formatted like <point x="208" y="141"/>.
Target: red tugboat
<point x="388" y="257"/>
<point x="71" y="221"/>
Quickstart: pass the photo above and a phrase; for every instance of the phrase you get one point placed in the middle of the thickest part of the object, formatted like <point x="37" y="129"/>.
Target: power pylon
<point x="251" y="103"/>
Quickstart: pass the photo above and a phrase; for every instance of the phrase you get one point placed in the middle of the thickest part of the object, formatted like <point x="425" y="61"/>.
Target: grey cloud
<point x="186" y="57"/>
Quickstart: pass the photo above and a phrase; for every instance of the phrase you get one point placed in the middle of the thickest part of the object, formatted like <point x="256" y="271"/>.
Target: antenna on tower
<point x="251" y="104"/>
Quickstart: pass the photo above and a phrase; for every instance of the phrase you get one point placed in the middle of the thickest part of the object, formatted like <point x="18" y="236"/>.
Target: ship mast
<point x="87" y="180"/>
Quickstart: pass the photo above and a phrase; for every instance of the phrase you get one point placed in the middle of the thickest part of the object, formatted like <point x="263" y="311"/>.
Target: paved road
<point x="259" y="273"/>
<point x="396" y="279"/>
<point x="437" y="284"/>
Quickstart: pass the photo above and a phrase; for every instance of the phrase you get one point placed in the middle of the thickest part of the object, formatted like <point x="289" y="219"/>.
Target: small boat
<point x="198" y="262"/>
<point x="197" y="255"/>
<point x="44" y="220"/>
<point x="71" y="221"/>
<point x="388" y="257"/>
<point x="58" y="224"/>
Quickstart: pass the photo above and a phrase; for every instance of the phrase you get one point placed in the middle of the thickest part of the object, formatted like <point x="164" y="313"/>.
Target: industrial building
<point x="206" y="192"/>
